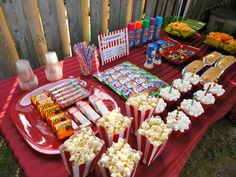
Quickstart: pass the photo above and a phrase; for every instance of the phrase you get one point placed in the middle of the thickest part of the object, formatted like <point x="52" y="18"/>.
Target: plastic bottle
<point x="137" y="33"/>
<point x="145" y="30"/>
<point x="159" y="20"/>
<point x="131" y="34"/>
<point x="151" y="29"/>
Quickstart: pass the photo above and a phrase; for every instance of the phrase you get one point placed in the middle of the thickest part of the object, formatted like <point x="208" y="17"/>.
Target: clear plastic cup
<point x="26" y="77"/>
<point x="53" y="69"/>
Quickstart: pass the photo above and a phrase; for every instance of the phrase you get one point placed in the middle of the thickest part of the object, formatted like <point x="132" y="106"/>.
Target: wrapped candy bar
<point x="43" y="101"/>
<point x="151" y="138"/>
<point x="140" y="106"/>
<point x="98" y="105"/>
<point x="87" y="110"/>
<point x="64" y="129"/>
<point x="61" y="87"/>
<point x="113" y="126"/>
<point x="178" y="121"/>
<point x="44" y="106"/>
<point x="81" y="152"/>
<point x="50" y="111"/>
<point x="119" y="160"/>
<point x="56" y="119"/>
<point x="38" y="97"/>
<point x="79" y="118"/>
<point x="71" y="100"/>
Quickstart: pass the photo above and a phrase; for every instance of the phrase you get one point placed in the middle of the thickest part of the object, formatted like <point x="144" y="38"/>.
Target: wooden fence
<point x="30" y="28"/>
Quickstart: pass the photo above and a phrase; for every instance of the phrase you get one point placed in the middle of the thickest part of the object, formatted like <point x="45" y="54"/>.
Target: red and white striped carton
<point x="79" y="170"/>
<point x="139" y="116"/>
<point x="109" y="138"/>
<point x="150" y="152"/>
<point x="106" y="173"/>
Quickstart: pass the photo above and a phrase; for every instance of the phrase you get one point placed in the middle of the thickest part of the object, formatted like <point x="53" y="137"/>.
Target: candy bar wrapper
<point x="150" y="152"/>
<point x="139" y="116"/>
<point x="109" y="139"/>
<point x="106" y="173"/>
<point x="79" y="170"/>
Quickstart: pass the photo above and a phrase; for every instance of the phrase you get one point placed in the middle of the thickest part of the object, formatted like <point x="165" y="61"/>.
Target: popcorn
<point x="160" y="107"/>
<point x="114" y="122"/>
<point x="155" y="130"/>
<point x="194" y="109"/>
<point x="215" y="88"/>
<point x="165" y="93"/>
<point x="179" y="123"/>
<point x="192" y="78"/>
<point x="114" y="125"/>
<point x="142" y="101"/>
<point x="151" y="138"/>
<point x="120" y="160"/>
<point x="182" y="85"/>
<point x="205" y="99"/>
<point x="83" y="146"/>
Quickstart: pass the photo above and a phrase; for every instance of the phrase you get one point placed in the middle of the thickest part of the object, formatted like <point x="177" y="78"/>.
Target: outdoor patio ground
<point x="214" y="156"/>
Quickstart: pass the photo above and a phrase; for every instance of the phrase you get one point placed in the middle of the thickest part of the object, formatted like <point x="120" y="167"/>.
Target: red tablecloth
<point x="177" y="150"/>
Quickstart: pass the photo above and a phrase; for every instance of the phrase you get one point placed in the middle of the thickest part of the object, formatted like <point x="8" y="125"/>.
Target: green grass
<point x="215" y="154"/>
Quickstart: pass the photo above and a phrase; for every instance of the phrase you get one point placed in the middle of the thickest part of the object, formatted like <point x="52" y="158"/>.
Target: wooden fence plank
<point x="126" y="7"/>
<point x="35" y="27"/>
<point x="138" y="7"/>
<point x="85" y="20"/>
<point x="14" y="13"/>
<point x="74" y="20"/>
<point x="64" y="33"/>
<point x="9" y="55"/>
<point x="48" y="13"/>
<point x="96" y="17"/>
<point x="150" y="8"/>
<point x="161" y="5"/>
<point x="169" y="8"/>
<point x="114" y="18"/>
<point x="105" y="15"/>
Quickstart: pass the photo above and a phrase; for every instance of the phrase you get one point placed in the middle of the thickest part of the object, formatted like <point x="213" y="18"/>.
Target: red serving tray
<point x="174" y="50"/>
<point x="36" y="132"/>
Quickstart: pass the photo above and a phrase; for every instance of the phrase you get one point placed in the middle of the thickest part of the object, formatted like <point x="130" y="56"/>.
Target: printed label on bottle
<point x="150" y="34"/>
<point x="145" y="35"/>
<point x="131" y="38"/>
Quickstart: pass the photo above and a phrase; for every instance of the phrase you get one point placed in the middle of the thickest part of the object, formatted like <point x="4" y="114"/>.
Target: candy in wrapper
<point x="98" y="105"/>
<point x="43" y="101"/>
<point x="64" y="129"/>
<point x="38" y="97"/>
<point x="63" y="85"/>
<point x="51" y="111"/>
<point x="72" y="99"/>
<point x="80" y="119"/>
<point x="87" y="110"/>
<point x="44" y="106"/>
<point x="56" y="119"/>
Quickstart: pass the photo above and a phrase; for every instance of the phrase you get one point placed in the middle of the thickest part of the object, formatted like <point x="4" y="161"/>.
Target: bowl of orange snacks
<point x="222" y="41"/>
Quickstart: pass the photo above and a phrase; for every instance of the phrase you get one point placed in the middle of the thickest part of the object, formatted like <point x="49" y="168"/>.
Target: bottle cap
<point x="138" y="25"/>
<point x="159" y="20"/>
<point x="146" y="23"/>
<point x="152" y="21"/>
<point x="131" y="26"/>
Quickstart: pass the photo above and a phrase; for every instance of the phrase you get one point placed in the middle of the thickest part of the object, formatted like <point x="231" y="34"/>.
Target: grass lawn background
<point x="214" y="156"/>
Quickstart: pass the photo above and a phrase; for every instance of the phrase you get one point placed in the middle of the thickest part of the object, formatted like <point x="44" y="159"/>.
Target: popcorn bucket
<point x="106" y="173"/>
<point x="109" y="139"/>
<point x="79" y="170"/>
<point x="139" y="116"/>
<point x="150" y="152"/>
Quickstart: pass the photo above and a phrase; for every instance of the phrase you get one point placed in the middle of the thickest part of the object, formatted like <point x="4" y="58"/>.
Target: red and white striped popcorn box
<point x="79" y="170"/>
<point x="150" y="152"/>
<point x="109" y="138"/>
<point x="139" y="116"/>
<point x="106" y="173"/>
